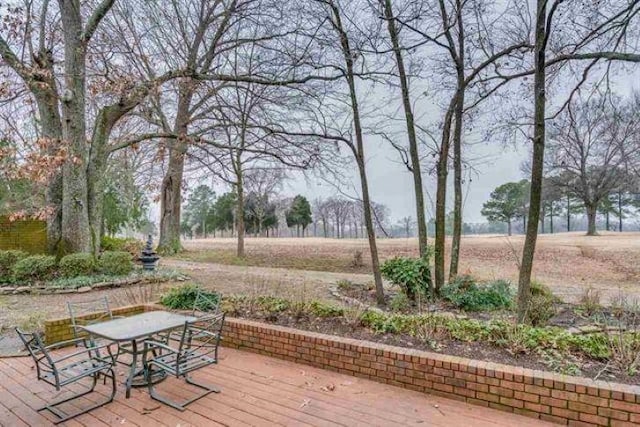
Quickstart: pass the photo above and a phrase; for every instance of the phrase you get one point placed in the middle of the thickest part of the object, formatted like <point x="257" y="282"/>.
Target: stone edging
<point x="49" y="290"/>
<point x="538" y="394"/>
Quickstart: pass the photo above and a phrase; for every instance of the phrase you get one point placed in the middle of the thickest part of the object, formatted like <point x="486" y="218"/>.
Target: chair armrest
<point x="148" y="344"/>
<point x="66" y="343"/>
<point x="84" y="350"/>
<point x="201" y="332"/>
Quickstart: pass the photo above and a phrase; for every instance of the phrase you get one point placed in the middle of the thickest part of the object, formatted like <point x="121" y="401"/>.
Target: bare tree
<point x="593" y="40"/>
<point x="586" y="149"/>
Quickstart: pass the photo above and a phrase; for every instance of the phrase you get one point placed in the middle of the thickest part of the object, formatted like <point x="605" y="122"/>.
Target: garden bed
<point x="514" y="350"/>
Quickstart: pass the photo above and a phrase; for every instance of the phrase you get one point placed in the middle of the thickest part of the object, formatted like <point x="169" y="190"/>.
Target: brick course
<point x="538" y="394"/>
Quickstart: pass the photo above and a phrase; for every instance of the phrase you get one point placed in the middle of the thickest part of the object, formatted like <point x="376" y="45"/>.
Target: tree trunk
<point x="620" y="212"/>
<point x="75" y="227"/>
<point x="457" y="146"/>
<point x="457" y="186"/>
<point x="441" y="197"/>
<point x="509" y="228"/>
<point x="537" y="164"/>
<point x="544" y="214"/>
<point x="568" y="213"/>
<point x="606" y="219"/>
<point x="551" y="219"/>
<point x="171" y="190"/>
<point x="591" y="219"/>
<point x="358" y="152"/>
<point x="51" y="128"/>
<point x="411" y="131"/>
<point x="240" y="214"/>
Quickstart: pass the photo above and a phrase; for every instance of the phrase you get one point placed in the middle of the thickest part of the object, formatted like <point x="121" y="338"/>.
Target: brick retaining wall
<point x="538" y="394"/>
<point x="57" y="330"/>
<point x="543" y="395"/>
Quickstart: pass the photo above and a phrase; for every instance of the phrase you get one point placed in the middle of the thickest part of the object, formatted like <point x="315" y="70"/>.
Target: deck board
<point x="256" y="391"/>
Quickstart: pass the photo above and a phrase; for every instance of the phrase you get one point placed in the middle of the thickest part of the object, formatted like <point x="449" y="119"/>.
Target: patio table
<point x="134" y="328"/>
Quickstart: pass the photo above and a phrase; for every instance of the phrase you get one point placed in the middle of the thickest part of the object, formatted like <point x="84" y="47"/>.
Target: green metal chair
<point x="68" y="369"/>
<point x="197" y="349"/>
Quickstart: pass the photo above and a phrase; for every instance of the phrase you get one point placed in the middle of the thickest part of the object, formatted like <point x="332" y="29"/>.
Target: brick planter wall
<point x="542" y="395"/>
<point x="57" y="330"/>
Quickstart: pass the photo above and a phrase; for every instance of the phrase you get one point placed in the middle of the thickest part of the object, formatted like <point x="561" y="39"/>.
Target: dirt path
<point x="233" y="279"/>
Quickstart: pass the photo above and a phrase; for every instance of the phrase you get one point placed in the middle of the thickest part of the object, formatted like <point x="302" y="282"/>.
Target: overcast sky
<point x="391" y="184"/>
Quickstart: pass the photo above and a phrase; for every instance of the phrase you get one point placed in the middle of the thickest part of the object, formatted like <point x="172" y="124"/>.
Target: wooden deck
<point x="256" y="390"/>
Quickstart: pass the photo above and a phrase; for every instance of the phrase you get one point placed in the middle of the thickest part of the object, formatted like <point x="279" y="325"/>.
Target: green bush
<point x="542" y="304"/>
<point x="34" y="268"/>
<point x="116" y="263"/>
<point x="79" y="264"/>
<point x="321" y="309"/>
<point x="184" y="297"/>
<point x="111" y="244"/>
<point x="464" y="293"/>
<point x="412" y="275"/>
<point x="7" y="260"/>
<point x="399" y="303"/>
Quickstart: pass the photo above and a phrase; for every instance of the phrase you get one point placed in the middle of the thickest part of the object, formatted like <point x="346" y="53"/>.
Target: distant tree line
<point x="206" y="214"/>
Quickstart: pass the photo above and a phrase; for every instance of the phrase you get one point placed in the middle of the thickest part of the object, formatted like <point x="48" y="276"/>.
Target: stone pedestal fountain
<point x="149" y="257"/>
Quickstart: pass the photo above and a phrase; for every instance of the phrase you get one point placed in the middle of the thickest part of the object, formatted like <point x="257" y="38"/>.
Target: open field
<point x="568" y="262"/>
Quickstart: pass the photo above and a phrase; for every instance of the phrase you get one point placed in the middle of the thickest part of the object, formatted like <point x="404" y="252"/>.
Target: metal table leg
<point x="134" y="364"/>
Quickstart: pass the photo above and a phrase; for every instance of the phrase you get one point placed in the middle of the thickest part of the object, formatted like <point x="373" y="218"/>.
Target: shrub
<point x="7" y="260"/>
<point x="412" y="275"/>
<point x="464" y="293"/>
<point x="74" y="265"/>
<point x="111" y="244"/>
<point x="542" y="305"/>
<point x="590" y="301"/>
<point x="184" y="297"/>
<point x="399" y="303"/>
<point x="321" y="309"/>
<point x="272" y="304"/>
<point x="116" y="263"/>
<point x="34" y="268"/>
<point x="345" y="285"/>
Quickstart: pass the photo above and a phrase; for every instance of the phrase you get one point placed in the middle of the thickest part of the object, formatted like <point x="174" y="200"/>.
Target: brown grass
<point x="568" y="262"/>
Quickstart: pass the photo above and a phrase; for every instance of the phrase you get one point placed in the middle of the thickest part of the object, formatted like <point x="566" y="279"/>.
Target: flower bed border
<point x="538" y="394"/>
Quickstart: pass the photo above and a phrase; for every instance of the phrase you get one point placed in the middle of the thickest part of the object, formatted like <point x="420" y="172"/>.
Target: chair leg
<point x="62" y="417"/>
<point x="180" y="406"/>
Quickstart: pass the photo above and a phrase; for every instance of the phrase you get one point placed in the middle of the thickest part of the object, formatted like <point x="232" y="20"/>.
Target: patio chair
<point x="68" y="369"/>
<point x="197" y="349"/>
<point x="206" y="304"/>
<point x="89" y="312"/>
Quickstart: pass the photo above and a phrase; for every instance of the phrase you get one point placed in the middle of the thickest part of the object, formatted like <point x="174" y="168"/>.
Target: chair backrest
<point x="201" y="336"/>
<point x="97" y="310"/>
<point x="45" y="366"/>
<point x="206" y="303"/>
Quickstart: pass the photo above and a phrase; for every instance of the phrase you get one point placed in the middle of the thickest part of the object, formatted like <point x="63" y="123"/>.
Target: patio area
<point x="256" y="390"/>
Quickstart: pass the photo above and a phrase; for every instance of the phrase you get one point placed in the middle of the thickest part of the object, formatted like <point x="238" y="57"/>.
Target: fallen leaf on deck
<point x="328" y="387"/>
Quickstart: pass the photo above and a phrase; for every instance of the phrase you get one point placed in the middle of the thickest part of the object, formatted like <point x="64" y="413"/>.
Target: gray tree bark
<point x="359" y="155"/>
<point x="537" y="165"/>
<point x="411" y="131"/>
